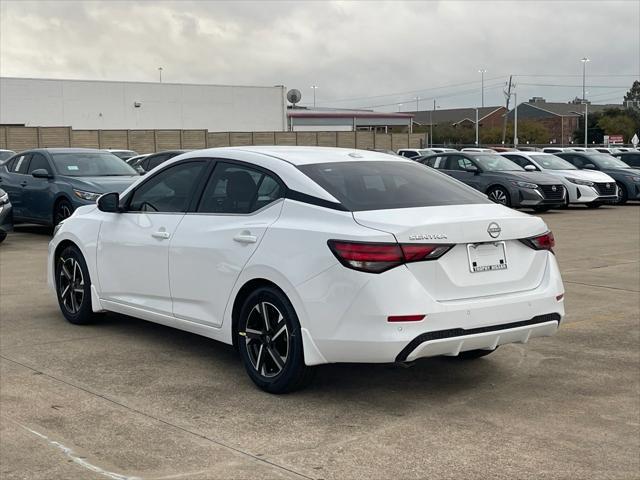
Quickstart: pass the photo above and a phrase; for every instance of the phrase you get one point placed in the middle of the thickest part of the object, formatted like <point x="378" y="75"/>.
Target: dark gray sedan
<point x="501" y="179"/>
<point x="47" y="185"/>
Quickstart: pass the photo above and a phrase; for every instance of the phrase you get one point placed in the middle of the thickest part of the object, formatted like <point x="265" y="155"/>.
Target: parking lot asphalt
<point x="126" y="399"/>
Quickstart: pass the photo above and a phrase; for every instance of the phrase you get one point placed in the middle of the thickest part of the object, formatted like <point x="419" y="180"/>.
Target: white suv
<point x="587" y="187"/>
<point x="301" y="256"/>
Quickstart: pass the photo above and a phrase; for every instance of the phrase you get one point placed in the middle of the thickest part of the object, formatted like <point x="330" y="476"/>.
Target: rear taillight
<point x="541" y="242"/>
<point x="379" y="257"/>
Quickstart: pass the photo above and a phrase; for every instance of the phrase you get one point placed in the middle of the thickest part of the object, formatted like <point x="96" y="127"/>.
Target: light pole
<point x="477" y="126"/>
<point x="417" y="104"/>
<point x="431" y="122"/>
<point x="160" y="72"/>
<point x="314" y="95"/>
<point x="515" y="121"/>
<point x="584" y="61"/>
<point x="399" y="106"/>
<point x="482" y="71"/>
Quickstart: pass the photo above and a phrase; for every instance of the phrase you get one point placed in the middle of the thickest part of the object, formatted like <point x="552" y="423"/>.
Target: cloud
<point x="350" y="49"/>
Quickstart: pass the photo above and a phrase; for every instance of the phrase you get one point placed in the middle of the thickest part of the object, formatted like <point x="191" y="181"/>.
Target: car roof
<point x="297" y="155"/>
<point x="64" y="150"/>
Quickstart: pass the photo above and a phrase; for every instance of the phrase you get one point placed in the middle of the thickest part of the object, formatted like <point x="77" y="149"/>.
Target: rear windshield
<point x="91" y="164"/>
<point x="361" y="186"/>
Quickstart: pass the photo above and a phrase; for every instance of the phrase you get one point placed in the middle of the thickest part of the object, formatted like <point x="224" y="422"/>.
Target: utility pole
<point x="506" y="116"/>
<point x="431" y="122"/>
<point x="314" y="95"/>
<point x="417" y="104"/>
<point x="584" y="61"/>
<point x="515" y="123"/>
<point x="477" y="126"/>
<point x="482" y="71"/>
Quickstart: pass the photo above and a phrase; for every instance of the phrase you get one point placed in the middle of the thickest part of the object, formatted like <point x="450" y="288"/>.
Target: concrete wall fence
<point x="147" y="141"/>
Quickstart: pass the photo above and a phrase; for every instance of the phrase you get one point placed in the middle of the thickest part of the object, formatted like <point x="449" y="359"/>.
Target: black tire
<point x="62" y="209"/>
<point x="499" y="195"/>
<point x="73" y="286"/>
<point x="565" y="204"/>
<point x="542" y="208"/>
<point x="262" y="343"/>
<point x="593" y="205"/>
<point x="623" y="195"/>
<point x="473" y="354"/>
<point x="3" y="235"/>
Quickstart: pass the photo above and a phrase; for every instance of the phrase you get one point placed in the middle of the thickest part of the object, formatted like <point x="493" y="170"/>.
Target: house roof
<point x="343" y="113"/>
<point x="454" y="116"/>
<point x="566" y="109"/>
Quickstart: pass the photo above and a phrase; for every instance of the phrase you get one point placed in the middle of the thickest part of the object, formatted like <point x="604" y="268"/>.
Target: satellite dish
<point x="294" y="96"/>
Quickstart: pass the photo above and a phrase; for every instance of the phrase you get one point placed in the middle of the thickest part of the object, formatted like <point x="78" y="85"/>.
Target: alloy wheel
<point x="63" y="211"/>
<point x="71" y="284"/>
<point x="267" y="339"/>
<point x="498" y="196"/>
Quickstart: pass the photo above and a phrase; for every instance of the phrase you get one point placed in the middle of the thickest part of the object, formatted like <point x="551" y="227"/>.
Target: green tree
<point x="634" y="92"/>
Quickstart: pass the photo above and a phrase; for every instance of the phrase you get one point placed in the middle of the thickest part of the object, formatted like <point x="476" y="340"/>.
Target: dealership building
<point x="103" y="105"/>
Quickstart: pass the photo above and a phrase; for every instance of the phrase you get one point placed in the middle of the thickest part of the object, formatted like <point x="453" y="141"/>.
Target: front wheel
<point x="62" y="210"/>
<point x="73" y="286"/>
<point x="623" y="196"/>
<point x="594" y="205"/>
<point x="542" y="209"/>
<point x="499" y="195"/>
<point x="270" y="342"/>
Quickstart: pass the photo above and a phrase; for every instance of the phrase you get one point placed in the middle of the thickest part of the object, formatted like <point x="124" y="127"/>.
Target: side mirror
<point x="109" y="202"/>
<point x="41" y="173"/>
<point x="472" y="169"/>
<point x="590" y="166"/>
<point x="530" y="168"/>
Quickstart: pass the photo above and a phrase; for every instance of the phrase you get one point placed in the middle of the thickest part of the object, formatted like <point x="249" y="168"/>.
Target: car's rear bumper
<point x="348" y="323"/>
<point x="453" y="341"/>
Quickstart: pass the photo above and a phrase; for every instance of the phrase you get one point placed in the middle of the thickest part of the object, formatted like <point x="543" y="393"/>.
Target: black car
<point x="500" y="179"/>
<point x="155" y="159"/>
<point x="630" y="158"/>
<point x="6" y="215"/>
<point x="626" y="177"/>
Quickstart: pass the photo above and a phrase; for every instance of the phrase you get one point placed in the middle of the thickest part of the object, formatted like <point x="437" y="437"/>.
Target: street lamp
<point x="314" y="95"/>
<point x="431" y="122"/>
<point x="482" y="71"/>
<point x="160" y="71"/>
<point x="584" y="61"/>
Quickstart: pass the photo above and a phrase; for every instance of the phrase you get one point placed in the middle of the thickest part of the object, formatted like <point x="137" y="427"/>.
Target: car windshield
<point x="551" y="162"/>
<point x="603" y="160"/>
<point x="495" y="163"/>
<point x="91" y="164"/>
<point x="381" y="185"/>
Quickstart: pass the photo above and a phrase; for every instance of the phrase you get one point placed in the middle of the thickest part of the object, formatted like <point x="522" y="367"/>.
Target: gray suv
<point x="46" y="185"/>
<point x="502" y="180"/>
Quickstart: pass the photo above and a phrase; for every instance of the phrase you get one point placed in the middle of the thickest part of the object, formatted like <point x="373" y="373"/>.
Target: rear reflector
<point x="405" y="318"/>
<point x="541" y="242"/>
<point x="379" y="257"/>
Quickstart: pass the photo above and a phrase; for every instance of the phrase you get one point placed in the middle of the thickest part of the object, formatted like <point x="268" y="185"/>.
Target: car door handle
<point x="162" y="235"/>
<point x="24" y="183"/>
<point x="245" y="238"/>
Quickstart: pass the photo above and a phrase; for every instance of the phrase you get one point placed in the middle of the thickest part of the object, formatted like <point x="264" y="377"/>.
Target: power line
<point x="571" y="86"/>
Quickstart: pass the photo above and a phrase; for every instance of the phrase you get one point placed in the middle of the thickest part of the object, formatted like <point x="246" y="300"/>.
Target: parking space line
<point x="178" y="427"/>
<point x="601" y="286"/>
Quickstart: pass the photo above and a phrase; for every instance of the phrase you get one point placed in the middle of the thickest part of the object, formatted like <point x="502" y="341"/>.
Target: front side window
<point x="239" y="190"/>
<point x="91" y="164"/>
<point x="168" y="191"/>
<point x="371" y="185"/>
<point x="460" y="163"/>
<point x="38" y="162"/>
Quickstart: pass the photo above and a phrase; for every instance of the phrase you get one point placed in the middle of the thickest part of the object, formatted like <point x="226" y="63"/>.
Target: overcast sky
<point x="374" y="54"/>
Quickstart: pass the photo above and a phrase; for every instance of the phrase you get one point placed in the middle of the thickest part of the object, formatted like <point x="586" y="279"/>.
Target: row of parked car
<point x="541" y="179"/>
<point x="44" y="186"/>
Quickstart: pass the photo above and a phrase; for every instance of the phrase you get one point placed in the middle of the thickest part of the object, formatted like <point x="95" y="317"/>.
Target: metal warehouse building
<point x="88" y="104"/>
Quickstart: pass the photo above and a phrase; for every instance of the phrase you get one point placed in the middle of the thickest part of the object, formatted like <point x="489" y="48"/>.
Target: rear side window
<point x="361" y="186"/>
<point x="238" y="189"/>
<point x="20" y="164"/>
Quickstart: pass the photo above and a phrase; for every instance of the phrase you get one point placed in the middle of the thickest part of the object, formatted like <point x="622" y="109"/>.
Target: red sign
<point x="616" y="139"/>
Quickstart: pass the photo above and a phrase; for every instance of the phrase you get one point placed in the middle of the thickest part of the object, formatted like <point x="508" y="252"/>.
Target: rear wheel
<point x="270" y="342"/>
<point x="473" y="354"/>
<point x="499" y="195"/>
<point x="3" y="235"/>
<point x="73" y="286"/>
<point x="62" y="210"/>
<point x="623" y="196"/>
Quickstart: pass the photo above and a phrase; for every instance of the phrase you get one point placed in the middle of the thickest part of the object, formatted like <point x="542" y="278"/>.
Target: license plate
<point x="487" y="257"/>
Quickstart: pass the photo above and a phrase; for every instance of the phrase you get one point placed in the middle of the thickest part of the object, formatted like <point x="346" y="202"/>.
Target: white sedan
<point x="301" y="256"/>
<point x="586" y="187"/>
